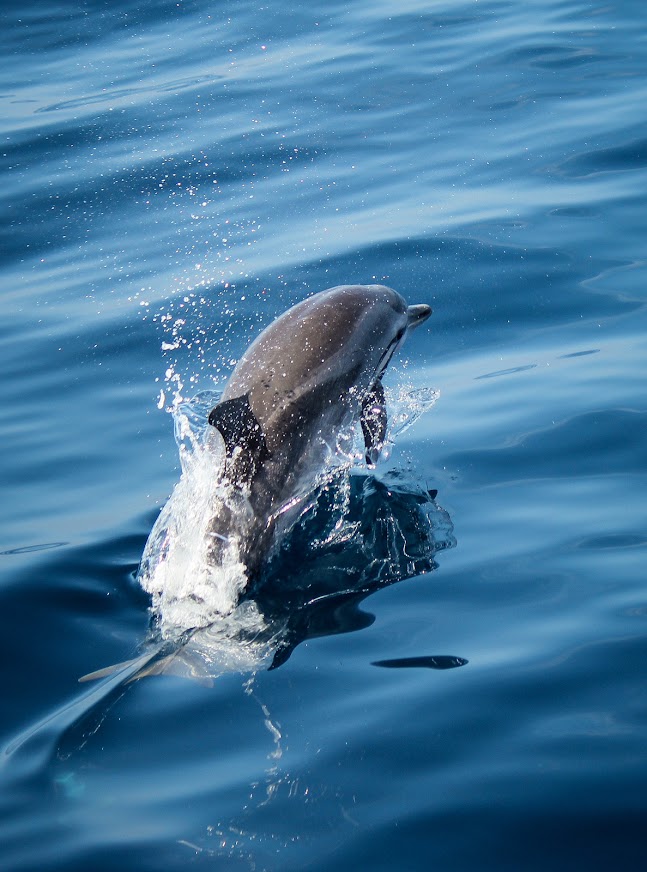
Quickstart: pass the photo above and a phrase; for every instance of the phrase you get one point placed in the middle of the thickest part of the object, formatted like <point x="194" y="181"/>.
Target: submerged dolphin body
<point x="298" y="389"/>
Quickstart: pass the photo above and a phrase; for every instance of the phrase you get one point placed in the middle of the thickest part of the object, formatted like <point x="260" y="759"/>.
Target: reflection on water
<point x="388" y="530"/>
<point x="357" y="534"/>
<point x="261" y="829"/>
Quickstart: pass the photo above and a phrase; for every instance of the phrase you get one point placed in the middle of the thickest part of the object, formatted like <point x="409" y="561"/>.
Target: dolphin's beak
<point x="417" y="314"/>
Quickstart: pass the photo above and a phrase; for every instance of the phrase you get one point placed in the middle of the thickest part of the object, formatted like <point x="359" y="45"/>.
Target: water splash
<point x="194" y="574"/>
<point x="190" y="588"/>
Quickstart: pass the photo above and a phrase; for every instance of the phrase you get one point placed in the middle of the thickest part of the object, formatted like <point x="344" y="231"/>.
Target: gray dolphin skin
<point x="309" y="376"/>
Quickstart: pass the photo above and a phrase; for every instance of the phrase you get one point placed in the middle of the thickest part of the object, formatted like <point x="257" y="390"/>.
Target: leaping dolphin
<point x="303" y="383"/>
<point x="295" y="394"/>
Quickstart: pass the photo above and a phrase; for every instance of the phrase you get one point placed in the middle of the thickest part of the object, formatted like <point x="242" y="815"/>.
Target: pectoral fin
<point x="373" y="421"/>
<point x="239" y="427"/>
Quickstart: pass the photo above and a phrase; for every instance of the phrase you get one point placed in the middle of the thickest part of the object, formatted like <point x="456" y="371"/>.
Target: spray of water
<point x="195" y="574"/>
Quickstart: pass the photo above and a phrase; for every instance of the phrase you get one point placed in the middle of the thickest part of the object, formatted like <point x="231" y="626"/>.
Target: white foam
<point x="189" y="589"/>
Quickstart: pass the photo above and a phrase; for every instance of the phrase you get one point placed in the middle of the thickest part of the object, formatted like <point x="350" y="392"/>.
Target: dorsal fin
<point x="373" y="421"/>
<point x="239" y="427"/>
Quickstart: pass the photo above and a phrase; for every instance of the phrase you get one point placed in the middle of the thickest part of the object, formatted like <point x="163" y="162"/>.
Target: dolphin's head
<point x="395" y="320"/>
<point x="303" y="375"/>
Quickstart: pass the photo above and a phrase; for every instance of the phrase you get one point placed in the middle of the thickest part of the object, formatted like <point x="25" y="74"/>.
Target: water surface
<point x="175" y="175"/>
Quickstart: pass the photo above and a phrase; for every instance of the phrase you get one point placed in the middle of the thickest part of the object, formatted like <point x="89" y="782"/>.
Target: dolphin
<point x="307" y="379"/>
<point x="296" y="393"/>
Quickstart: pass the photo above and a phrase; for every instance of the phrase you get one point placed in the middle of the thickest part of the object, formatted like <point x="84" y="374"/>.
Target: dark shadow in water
<point x="335" y="556"/>
<point x="435" y="661"/>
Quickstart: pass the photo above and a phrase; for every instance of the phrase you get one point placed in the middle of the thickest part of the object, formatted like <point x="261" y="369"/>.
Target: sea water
<point x="445" y="667"/>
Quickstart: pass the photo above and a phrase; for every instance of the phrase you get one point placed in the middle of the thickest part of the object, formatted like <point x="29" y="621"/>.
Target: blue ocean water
<point x="460" y="682"/>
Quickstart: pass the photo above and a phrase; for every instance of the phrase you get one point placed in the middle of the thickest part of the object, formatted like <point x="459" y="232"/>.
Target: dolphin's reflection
<point x="388" y="530"/>
<point x="358" y="534"/>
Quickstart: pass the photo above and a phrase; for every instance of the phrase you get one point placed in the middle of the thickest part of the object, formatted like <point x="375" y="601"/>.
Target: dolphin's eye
<point x="399" y="334"/>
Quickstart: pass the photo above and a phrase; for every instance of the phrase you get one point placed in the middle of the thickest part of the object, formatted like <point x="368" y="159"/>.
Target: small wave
<point x="511" y="371"/>
<point x="31" y="549"/>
